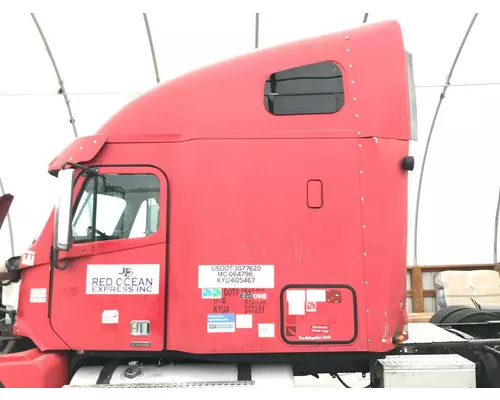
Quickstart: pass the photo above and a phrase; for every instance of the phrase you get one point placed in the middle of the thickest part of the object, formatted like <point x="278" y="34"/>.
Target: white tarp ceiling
<point x="105" y="61"/>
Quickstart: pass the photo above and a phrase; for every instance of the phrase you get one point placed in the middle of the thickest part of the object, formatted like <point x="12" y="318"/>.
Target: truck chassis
<point x="459" y="347"/>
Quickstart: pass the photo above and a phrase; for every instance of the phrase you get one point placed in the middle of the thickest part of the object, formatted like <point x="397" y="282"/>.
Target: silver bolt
<point x="367" y="311"/>
<point x="357" y="115"/>
<point x="359" y="133"/>
<point x="365" y="254"/>
<point x="350" y="65"/>
<point x="354" y="98"/>
<point x="369" y="341"/>
<point x="352" y="81"/>
<point x="366" y="282"/>
<point x="362" y="198"/>
<point x="364" y="226"/>
<point x="346" y="37"/>
<point x="360" y="145"/>
<point x="348" y="49"/>
<point x="81" y="147"/>
<point x="360" y="172"/>
<point x="95" y="141"/>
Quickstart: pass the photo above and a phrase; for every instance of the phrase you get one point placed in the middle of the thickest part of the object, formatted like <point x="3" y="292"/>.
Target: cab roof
<point x="226" y="100"/>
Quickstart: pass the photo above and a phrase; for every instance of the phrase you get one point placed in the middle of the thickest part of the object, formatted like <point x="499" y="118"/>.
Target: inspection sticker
<point x="211" y="293"/>
<point x="220" y="323"/>
<point x="236" y="276"/>
<point x="109" y="279"/>
<point x="38" y="295"/>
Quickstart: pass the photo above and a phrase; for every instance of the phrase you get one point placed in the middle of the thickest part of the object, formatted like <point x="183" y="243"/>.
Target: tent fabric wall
<point x="105" y="61"/>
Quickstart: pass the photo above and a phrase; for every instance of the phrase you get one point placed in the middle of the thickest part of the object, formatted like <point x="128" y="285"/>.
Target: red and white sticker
<point x="28" y="258"/>
<point x="311" y="306"/>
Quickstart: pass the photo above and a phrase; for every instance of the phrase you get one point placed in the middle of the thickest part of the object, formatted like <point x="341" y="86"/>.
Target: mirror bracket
<point x="54" y="260"/>
<point x="89" y="171"/>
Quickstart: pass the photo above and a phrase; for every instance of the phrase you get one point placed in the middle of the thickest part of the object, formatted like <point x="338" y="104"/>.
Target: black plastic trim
<point x="107" y="372"/>
<point x="244" y="372"/>
<point x="318" y="286"/>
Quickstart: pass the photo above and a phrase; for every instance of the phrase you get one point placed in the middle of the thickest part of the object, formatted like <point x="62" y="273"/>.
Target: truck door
<point x="112" y="293"/>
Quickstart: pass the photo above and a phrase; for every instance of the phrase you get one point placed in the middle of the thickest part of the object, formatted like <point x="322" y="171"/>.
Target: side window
<point x="122" y="205"/>
<point x="310" y="89"/>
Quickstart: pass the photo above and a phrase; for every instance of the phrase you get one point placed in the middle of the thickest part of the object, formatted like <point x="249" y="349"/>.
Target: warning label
<point x="108" y="279"/>
<point x="236" y="276"/>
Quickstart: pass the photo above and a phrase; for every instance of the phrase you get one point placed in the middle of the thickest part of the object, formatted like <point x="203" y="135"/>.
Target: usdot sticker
<point x="211" y="293"/>
<point x="108" y="279"/>
<point x="109" y="317"/>
<point x="266" y="330"/>
<point x="220" y="323"/>
<point x="236" y="276"/>
<point x="243" y="321"/>
<point x="38" y="295"/>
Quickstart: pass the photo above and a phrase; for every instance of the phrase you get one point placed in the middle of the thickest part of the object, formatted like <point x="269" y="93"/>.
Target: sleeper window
<point x="310" y="89"/>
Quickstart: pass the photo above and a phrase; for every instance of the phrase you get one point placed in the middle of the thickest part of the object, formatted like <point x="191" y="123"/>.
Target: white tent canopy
<point x="105" y="60"/>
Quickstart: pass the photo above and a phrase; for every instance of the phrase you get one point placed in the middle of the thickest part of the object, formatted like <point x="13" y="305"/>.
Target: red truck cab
<point x="255" y="208"/>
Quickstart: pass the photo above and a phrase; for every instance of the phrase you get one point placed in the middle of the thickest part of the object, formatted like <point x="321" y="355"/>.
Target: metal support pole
<point x="62" y="90"/>
<point x="256" y="30"/>
<point x="495" y="243"/>
<point x="9" y="221"/>
<point x="441" y="98"/>
<point x="152" y="47"/>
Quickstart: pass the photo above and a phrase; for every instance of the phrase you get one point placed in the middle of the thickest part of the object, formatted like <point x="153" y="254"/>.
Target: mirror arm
<point x="84" y="168"/>
<point x="54" y="262"/>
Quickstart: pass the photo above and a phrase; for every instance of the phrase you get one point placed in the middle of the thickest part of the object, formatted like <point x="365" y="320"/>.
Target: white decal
<point x="243" y="321"/>
<point x="266" y="330"/>
<point x="28" y="258"/>
<point x="38" y="295"/>
<point x="110" y="317"/>
<point x="316" y="295"/>
<point x="296" y="302"/>
<point x="296" y="308"/>
<point x="236" y="276"/>
<point x="123" y="279"/>
<point x="293" y="295"/>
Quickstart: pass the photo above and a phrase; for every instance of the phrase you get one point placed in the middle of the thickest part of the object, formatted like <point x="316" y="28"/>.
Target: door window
<point x="117" y="206"/>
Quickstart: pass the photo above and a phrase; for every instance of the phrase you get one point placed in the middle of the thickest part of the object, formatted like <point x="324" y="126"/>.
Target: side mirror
<point x="62" y="222"/>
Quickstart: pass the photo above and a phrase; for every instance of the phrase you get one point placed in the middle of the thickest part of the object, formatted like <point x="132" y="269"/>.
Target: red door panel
<point x="112" y="295"/>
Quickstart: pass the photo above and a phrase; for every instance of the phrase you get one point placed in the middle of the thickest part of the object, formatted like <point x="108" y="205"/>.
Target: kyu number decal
<point x="123" y="279"/>
<point x="236" y="276"/>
